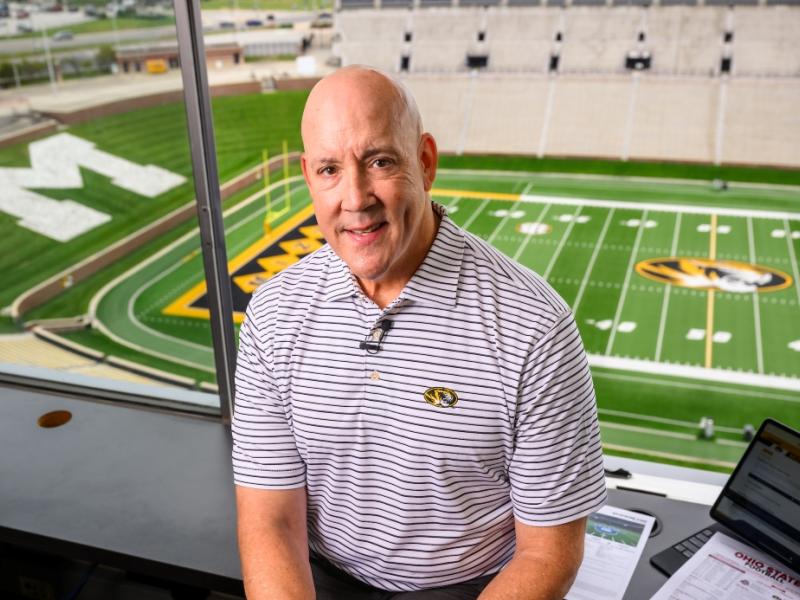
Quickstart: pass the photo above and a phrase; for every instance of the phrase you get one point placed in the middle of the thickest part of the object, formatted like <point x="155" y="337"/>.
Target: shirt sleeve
<point x="264" y="453"/>
<point x="556" y="470"/>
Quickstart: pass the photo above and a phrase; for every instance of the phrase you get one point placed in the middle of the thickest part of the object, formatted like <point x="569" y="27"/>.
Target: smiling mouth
<point x="367" y="230"/>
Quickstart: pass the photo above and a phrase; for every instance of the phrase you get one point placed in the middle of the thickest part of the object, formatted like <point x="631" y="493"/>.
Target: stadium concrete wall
<point x="737" y="121"/>
<point x="296" y="83"/>
<point x="29" y="133"/>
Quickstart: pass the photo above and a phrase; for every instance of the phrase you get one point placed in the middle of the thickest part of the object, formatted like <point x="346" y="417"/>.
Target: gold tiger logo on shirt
<point x="441" y="397"/>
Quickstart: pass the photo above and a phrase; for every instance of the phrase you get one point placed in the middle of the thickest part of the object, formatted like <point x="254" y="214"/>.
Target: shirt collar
<point x="435" y="281"/>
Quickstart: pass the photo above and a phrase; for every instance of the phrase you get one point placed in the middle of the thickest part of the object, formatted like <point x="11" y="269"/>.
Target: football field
<point x="686" y="296"/>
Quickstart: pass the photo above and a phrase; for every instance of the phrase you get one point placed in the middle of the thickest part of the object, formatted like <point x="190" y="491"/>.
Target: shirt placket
<point x="374" y="356"/>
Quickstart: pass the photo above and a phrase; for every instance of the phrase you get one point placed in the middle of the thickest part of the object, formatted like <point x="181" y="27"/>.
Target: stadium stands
<point x="713" y="83"/>
<point x="521" y="39"/>
<point x="598" y="39"/>
<point x="765" y="41"/>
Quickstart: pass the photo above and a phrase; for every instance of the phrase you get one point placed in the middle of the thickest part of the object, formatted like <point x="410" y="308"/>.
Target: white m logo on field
<point x="55" y="163"/>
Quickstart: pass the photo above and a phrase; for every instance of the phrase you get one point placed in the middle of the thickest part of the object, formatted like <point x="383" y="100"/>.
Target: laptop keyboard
<point x="693" y="543"/>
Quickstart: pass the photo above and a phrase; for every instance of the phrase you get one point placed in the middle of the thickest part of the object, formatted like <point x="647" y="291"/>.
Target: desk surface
<point x="152" y="492"/>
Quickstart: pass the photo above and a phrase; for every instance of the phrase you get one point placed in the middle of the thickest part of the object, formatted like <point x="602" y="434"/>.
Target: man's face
<point x="368" y="172"/>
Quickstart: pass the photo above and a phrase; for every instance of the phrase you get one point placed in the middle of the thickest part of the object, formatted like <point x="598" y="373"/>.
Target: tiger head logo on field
<point x="708" y="274"/>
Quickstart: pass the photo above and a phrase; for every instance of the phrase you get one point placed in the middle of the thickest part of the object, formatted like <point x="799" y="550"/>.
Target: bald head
<point x="370" y="169"/>
<point x="358" y="92"/>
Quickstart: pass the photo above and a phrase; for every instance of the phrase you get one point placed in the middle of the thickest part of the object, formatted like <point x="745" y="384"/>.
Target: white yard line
<point x="134" y="318"/>
<point x="588" y="274"/>
<point x="792" y="258"/>
<point x="670" y="455"/>
<point x="497" y="229"/>
<point x="528" y="237"/>
<point x="527" y="188"/>
<point x="97" y="298"/>
<point x="669" y="434"/>
<point x="626" y="283"/>
<point x="561" y="243"/>
<point x="659" y="207"/>
<point x="747" y="394"/>
<point x="664" y="421"/>
<point x="474" y="215"/>
<point x="453" y="202"/>
<point x="649" y="431"/>
<point x="778" y="382"/>
<point x="737" y="185"/>
<point x="756" y="310"/>
<point x="663" y="320"/>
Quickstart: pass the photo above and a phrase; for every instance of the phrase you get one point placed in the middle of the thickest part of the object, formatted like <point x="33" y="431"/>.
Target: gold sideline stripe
<point x="181" y="306"/>
<point x="468" y="194"/>
<point x="712" y="254"/>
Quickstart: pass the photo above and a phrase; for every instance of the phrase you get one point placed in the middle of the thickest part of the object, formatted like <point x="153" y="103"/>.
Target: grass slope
<point x="244" y="125"/>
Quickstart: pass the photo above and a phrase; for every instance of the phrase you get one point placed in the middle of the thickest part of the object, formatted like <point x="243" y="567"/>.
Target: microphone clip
<point x="372" y="343"/>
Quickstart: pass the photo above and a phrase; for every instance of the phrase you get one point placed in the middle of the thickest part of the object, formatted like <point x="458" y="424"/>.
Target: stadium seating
<point x="597" y="39"/>
<point x="685" y="40"/>
<point x="765" y="41"/>
<point x="681" y="108"/>
<point x="520" y="39"/>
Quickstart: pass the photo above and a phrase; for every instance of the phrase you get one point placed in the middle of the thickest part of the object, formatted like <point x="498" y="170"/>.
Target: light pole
<point x="48" y="58"/>
<point x="114" y="27"/>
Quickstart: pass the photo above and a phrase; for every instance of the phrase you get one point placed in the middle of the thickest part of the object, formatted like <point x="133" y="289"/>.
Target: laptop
<point x="759" y="505"/>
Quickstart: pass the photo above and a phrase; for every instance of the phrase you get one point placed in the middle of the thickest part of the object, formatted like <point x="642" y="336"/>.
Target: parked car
<point x="227" y="24"/>
<point x="254" y="22"/>
<point x="24" y="28"/>
<point x="62" y="36"/>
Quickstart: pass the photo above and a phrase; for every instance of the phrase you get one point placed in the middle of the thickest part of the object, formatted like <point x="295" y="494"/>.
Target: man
<point x="411" y="405"/>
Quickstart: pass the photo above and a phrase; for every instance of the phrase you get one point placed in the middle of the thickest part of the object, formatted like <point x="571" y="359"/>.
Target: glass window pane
<point x="593" y="143"/>
<point x="99" y="226"/>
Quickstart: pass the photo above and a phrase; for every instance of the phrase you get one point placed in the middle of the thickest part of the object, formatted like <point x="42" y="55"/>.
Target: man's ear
<point x="428" y="159"/>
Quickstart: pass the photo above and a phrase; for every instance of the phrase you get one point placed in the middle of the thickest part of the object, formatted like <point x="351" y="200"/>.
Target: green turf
<point x="628" y="168"/>
<point x="267" y="5"/>
<point x="7" y="325"/>
<point x="633" y="406"/>
<point x="98" y="341"/>
<point x="244" y="126"/>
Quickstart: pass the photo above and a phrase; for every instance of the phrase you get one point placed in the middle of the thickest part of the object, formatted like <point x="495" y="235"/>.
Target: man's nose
<point x="357" y="191"/>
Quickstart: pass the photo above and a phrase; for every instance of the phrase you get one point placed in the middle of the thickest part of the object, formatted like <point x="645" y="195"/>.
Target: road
<point x="34" y="44"/>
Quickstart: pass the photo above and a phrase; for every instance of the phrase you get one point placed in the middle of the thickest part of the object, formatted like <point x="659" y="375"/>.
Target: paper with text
<point x="726" y="569"/>
<point x="614" y="542"/>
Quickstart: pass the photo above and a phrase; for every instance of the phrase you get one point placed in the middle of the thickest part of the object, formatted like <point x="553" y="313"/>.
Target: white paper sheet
<point x="725" y="569"/>
<point x="615" y="539"/>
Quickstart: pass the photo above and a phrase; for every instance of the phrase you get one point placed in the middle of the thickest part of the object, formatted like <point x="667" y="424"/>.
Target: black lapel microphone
<point x="372" y="343"/>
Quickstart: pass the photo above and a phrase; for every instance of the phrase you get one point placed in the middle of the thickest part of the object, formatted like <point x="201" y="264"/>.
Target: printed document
<point x="726" y="569"/>
<point x="615" y="540"/>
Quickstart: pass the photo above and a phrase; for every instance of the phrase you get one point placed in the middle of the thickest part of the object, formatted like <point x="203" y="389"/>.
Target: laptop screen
<point x="761" y="500"/>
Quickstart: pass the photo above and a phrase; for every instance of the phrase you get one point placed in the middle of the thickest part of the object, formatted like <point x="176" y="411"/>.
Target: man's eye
<point x="327" y="171"/>
<point x="382" y="163"/>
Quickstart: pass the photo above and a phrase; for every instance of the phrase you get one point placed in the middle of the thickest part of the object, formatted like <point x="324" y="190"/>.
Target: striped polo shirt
<point x="476" y="409"/>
